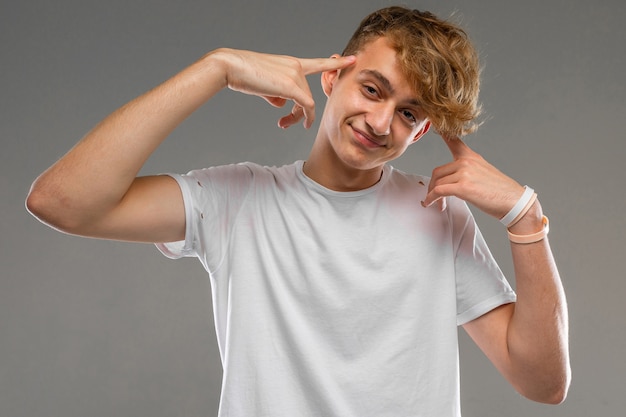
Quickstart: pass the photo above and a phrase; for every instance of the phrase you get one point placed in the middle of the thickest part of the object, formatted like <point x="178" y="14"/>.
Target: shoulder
<point x="401" y="178"/>
<point x="415" y="187"/>
<point x="403" y="183"/>
<point x="241" y="171"/>
<point x="237" y="176"/>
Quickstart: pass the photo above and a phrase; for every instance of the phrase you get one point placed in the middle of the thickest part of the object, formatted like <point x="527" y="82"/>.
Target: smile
<point x="365" y="139"/>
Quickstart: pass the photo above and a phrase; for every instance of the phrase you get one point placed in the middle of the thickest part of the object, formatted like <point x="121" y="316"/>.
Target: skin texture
<point x="371" y="117"/>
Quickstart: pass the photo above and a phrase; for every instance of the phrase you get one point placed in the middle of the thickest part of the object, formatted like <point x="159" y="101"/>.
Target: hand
<point x="471" y="178"/>
<point x="278" y="78"/>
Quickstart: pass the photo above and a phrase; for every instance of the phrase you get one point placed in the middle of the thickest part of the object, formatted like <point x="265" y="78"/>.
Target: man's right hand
<point x="93" y="189"/>
<point x="278" y="79"/>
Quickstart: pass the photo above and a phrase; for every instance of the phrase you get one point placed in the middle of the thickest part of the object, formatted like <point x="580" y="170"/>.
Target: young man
<point x="338" y="282"/>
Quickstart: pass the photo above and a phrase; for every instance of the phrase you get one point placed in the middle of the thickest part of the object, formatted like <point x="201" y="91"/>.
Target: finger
<point x="297" y="113"/>
<point x="438" y="196"/>
<point x="309" y="114"/>
<point x="304" y="105"/>
<point x="275" y="101"/>
<point x="315" y="65"/>
<point x="457" y="147"/>
<point x="443" y="204"/>
<point x="442" y="184"/>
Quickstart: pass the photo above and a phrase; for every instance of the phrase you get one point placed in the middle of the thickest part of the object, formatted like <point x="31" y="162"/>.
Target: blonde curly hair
<point x="437" y="58"/>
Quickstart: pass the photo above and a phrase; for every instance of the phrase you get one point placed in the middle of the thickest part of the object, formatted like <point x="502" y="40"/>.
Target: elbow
<point x="556" y="396"/>
<point x="48" y="209"/>
<point x="552" y="393"/>
<point x="560" y="388"/>
<point x="36" y="203"/>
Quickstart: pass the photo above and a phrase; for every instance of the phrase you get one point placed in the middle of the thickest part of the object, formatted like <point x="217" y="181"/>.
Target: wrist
<point x="531" y="222"/>
<point x="217" y="64"/>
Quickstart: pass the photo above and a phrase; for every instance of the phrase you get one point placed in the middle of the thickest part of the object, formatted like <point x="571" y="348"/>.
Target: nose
<point x="379" y="119"/>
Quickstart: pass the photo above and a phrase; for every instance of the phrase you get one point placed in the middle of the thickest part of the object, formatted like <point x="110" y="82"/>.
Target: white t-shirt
<point x="336" y="304"/>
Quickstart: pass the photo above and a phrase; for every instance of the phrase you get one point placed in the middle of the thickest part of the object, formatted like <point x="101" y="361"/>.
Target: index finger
<point x="315" y="65"/>
<point x="457" y="147"/>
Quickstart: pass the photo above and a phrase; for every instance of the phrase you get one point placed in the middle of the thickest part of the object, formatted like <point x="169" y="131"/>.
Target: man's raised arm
<point x="528" y="340"/>
<point x="94" y="191"/>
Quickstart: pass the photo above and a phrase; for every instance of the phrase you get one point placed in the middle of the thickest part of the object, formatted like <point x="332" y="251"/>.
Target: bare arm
<point x="528" y="340"/>
<point x="93" y="189"/>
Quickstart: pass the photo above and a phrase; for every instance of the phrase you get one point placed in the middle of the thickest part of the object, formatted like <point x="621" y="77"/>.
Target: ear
<point x="329" y="78"/>
<point x="423" y="130"/>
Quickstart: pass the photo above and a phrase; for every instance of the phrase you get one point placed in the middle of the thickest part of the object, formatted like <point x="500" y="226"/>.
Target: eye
<point x="408" y="115"/>
<point x="369" y="90"/>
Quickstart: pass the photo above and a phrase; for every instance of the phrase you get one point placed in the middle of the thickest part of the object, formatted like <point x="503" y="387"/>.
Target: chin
<point x="361" y="162"/>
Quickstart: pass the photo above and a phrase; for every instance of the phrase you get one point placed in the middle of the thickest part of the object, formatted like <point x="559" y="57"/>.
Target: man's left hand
<point x="471" y="178"/>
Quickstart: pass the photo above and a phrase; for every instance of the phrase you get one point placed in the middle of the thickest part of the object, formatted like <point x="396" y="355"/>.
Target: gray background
<point x="98" y="328"/>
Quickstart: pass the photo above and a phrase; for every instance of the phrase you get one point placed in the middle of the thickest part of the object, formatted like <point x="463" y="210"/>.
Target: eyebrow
<point x="386" y="83"/>
<point x="381" y="78"/>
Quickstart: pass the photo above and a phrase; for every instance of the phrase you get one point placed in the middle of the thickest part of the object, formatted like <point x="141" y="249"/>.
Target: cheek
<point x="401" y="147"/>
<point x="352" y="100"/>
<point x="403" y="134"/>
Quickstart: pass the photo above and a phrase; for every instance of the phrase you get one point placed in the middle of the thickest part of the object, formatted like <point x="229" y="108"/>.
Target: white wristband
<point x="519" y="206"/>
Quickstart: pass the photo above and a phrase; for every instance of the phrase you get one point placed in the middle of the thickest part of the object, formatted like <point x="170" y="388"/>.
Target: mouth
<point x="365" y="139"/>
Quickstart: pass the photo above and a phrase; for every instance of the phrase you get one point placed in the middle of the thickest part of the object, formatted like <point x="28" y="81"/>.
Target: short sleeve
<point x="212" y="198"/>
<point x="183" y="248"/>
<point x="480" y="284"/>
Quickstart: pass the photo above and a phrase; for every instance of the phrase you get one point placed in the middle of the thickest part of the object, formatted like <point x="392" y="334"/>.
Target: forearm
<point x="93" y="180"/>
<point x="537" y="336"/>
<point x="527" y="340"/>
<point x="95" y="175"/>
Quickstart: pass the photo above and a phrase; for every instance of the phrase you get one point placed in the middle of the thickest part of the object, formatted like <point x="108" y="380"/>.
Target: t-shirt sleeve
<point x="182" y="248"/>
<point x="212" y="197"/>
<point x="480" y="283"/>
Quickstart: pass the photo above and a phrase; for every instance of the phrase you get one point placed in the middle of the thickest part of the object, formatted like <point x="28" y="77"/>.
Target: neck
<point x="328" y="170"/>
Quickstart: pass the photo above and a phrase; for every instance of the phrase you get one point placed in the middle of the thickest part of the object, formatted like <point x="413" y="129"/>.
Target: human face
<point x="372" y="114"/>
